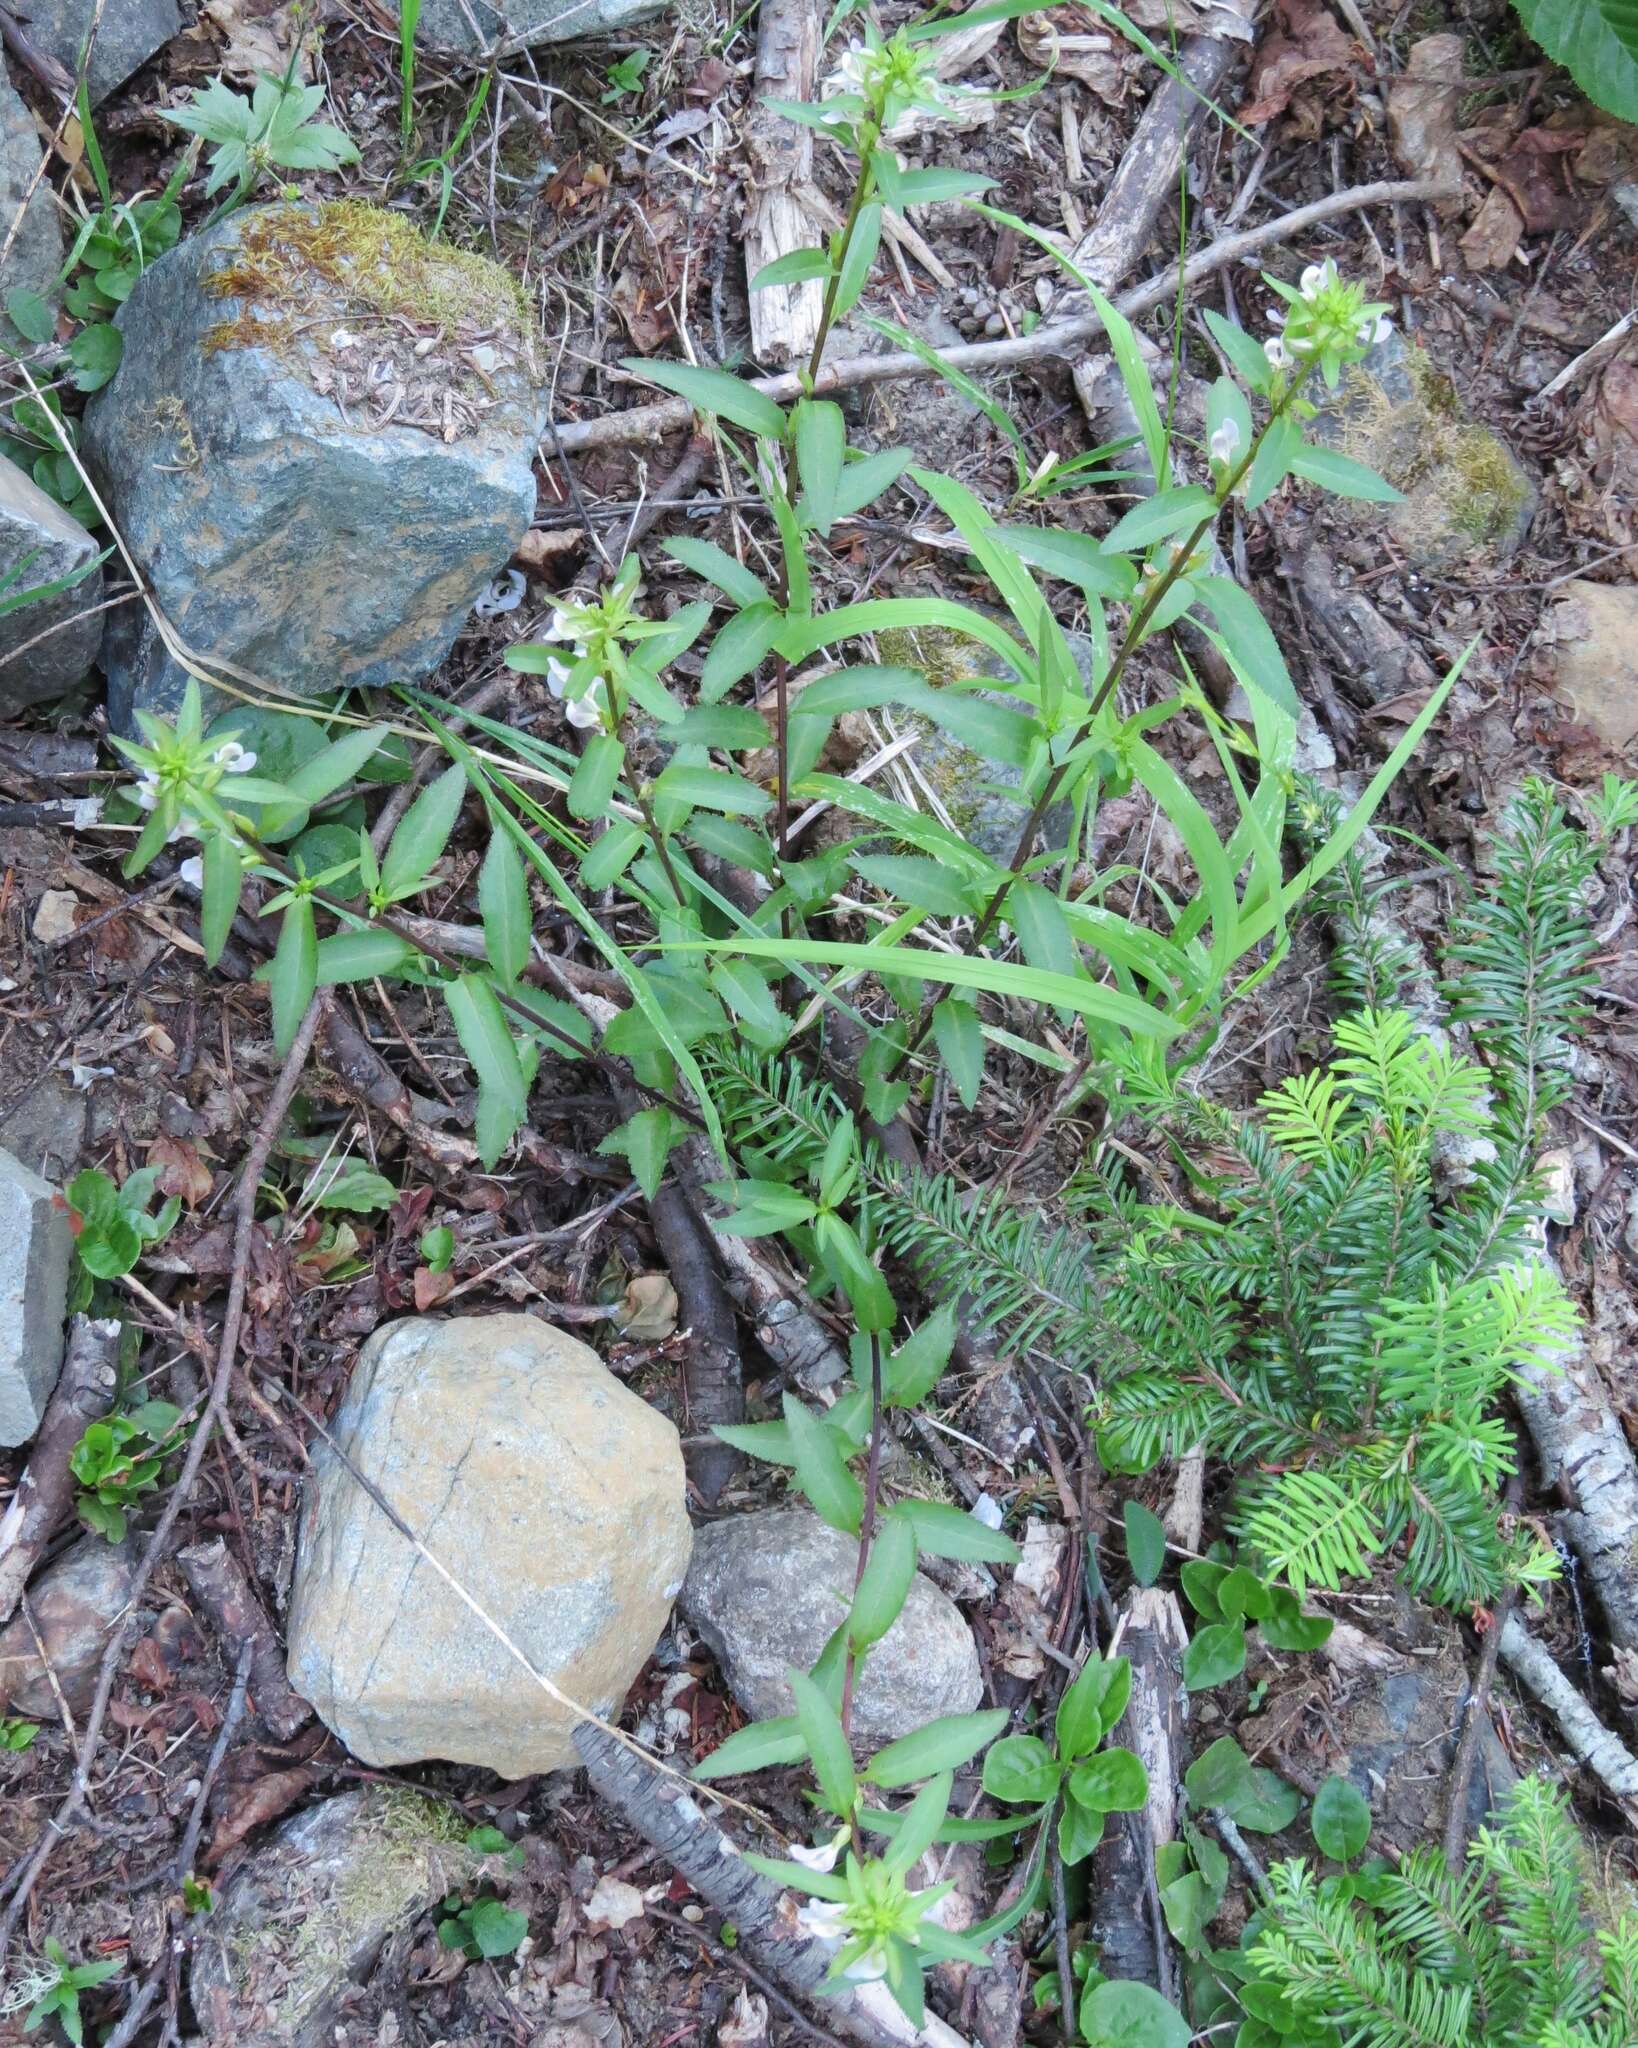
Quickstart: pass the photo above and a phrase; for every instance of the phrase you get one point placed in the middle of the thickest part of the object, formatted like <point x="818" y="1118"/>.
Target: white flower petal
<point x="822" y="1856"/>
<point x="870" y="1968"/>
<point x="1279" y="356"/>
<point x="192" y="871"/>
<point x="584" y="712"/>
<point x="1225" y="442"/>
<point x="824" y="1919"/>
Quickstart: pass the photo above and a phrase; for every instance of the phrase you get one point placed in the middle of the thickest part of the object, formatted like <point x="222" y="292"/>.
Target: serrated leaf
<point x="820" y="434"/>
<point x="480" y="1025"/>
<point x="1178" y="510"/>
<point x="942" y="1745"/>
<point x="360" y="956"/>
<point x="959" y="1036"/>
<point x="923" y="884"/>
<point x="754" y="1748"/>
<point x="740" y="647"/>
<point x="422" y="834"/>
<point x="944" y="1531"/>
<point x="719" y="567"/>
<point x="592" y="784"/>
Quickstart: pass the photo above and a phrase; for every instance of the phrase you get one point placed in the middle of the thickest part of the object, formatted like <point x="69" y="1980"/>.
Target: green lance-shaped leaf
<point x="885" y="1584"/>
<point x="827" y="1743"/>
<point x="822" y="1469"/>
<point x="503" y="904"/>
<point x="480" y="1025"/>
<point x="715" y="393"/>
<point x="294" y="972"/>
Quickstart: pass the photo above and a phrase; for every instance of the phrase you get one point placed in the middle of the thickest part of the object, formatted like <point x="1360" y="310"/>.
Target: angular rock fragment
<point x="46" y="645"/>
<point x="35" y="1248"/>
<point x="129" y="33"/>
<point x="549" y="1492"/>
<point x="304" y="1919"/>
<point x="75" y="1603"/>
<point x="320" y="440"/>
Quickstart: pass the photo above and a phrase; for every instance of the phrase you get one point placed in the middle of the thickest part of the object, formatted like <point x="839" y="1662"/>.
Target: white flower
<point x="565" y="625"/>
<point x="585" y="712"/>
<point x="147" y="790"/>
<point x="870" y="1968"/>
<point x="557" y="674"/>
<point x="1372" y="335"/>
<point x="1225" y="443"/>
<point x="192" y="871"/>
<point x="1316" y="277"/>
<point x="822" y="1856"/>
<point x="234" y="759"/>
<point x="824" y="1919"/>
<point x="849" y="75"/>
<point x="1279" y="356"/>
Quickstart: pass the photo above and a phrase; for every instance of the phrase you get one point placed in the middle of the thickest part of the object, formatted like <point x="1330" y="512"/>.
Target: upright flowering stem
<point x="869" y="135"/>
<point x="867" y="1527"/>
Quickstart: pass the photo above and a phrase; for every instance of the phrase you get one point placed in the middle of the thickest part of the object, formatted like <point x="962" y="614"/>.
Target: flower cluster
<point x="883" y="81"/>
<point x="878" y="1911"/>
<point x="1330" y="322"/>
<point x="593" y="634"/>
<point x="179" y="778"/>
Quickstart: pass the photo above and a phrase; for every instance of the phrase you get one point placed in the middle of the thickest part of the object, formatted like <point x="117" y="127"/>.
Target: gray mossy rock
<point x="1465" y="492"/>
<point x="553" y="1495"/>
<point x="320" y="440"/>
<point x="37" y="253"/>
<point x="978" y="796"/>
<point x="480" y="24"/>
<point x="765" y="1592"/>
<point x="130" y="32"/>
<point x="36" y="1246"/>
<point x="31" y="524"/>
<point x="76" y="1604"/>
<point x="305" y="1917"/>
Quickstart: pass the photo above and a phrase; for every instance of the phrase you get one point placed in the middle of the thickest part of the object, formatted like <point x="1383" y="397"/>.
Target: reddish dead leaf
<point x="539" y="550"/>
<point x="712" y="80"/>
<point x="431" y="1287"/>
<point x="253" y="1806"/>
<point x="1305" y="43"/>
<point x="148" y="1666"/>
<point x="1490" y="242"/>
<point x="182" y="1171"/>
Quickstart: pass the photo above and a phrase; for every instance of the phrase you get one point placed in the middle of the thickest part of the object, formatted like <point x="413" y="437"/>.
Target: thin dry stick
<point x="1055" y="337"/>
<point x="278" y="1104"/>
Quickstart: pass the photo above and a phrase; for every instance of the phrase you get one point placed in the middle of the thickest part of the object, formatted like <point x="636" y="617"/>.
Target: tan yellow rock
<point x="1592" y="632"/>
<point x="553" y="1495"/>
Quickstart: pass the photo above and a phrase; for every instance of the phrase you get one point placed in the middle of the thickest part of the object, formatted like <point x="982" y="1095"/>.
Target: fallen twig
<point x="45" y="1492"/>
<point x="646" y="423"/>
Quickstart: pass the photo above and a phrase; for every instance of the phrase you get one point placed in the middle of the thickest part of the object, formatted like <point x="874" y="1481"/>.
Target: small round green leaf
<point x="1341" y="1820"/>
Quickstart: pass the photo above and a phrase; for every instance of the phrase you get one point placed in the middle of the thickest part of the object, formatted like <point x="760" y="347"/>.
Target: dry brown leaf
<point x="244" y="39"/>
<point x="538" y="548"/>
<point x="1305" y="43"/>
<point x="252" y="1806"/>
<point x="1496" y="232"/>
<point x="182" y="1171"/>
<point x="1422" y="105"/>
<point x="431" y="1288"/>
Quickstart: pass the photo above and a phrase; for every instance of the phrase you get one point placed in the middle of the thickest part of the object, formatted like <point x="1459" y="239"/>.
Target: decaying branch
<point x="1604" y="1754"/>
<point x="1065" y="339"/>
<point x="45" y="1493"/>
<point x="781" y="214"/>
<point x="218" y="1583"/>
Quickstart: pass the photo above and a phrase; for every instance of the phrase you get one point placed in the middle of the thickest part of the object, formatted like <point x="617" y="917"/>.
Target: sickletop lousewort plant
<point x="711" y="980"/>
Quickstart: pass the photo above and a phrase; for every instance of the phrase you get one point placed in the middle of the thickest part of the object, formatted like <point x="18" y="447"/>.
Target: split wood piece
<point x="1067" y="338"/>
<point x="710" y="1863"/>
<point x="1133" y="1941"/>
<point x="45" y="1493"/>
<point x="1604" y="1754"/>
<point x="1146" y="179"/>
<point x="370" y="1081"/>
<point x="1566" y="1408"/>
<point x="218" y="1583"/>
<point x="1375" y="661"/>
<point x="782" y="215"/>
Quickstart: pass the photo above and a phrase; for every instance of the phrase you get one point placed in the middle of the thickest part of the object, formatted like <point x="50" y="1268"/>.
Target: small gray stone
<point x="309" y="468"/>
<point x="35" y="526"/>
<point x="76" y="1604"/>
<point x="552" y="1493"/>
<point x="130" y="32"/>
<point x="766" y="1591"/>
<point x="449" y="24"/>
<point x="305" y="1917"/>
<point x="37" y="253"/>
<point x="35" y="1248"/>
